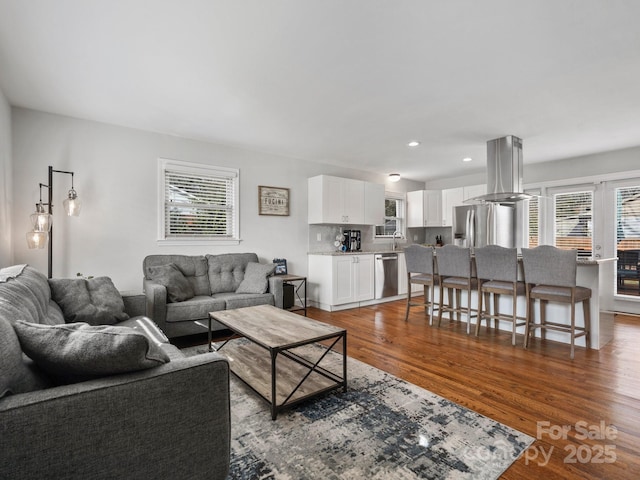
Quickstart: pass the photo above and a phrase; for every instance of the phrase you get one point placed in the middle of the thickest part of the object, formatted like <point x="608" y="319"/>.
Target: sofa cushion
<point x="255" y="278"/>
<point x="226" y="271"/>
<point x="26" y="295"/>
<point x="197" y="308"/>
<point x="77" y="351"/>
<point x="178" y="287"/>
<point x="241" y="300"/>
<point x="95" y="301"/>
<point x="16" y="374"/>
<point x="193" y="267"/>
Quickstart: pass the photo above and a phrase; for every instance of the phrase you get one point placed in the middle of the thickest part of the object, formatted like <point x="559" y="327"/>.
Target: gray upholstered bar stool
<point x="419" y="260"/>
<point x="497" y="272"/>
<point x="550" y="276"/>
<point x="455" y="273"/>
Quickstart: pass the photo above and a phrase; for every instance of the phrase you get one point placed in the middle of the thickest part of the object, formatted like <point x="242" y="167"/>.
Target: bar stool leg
<point x="573" y="328"/>
<point x="480" y="310"/>
<point x="514" y="320"/>
<point x="586" y="308"/>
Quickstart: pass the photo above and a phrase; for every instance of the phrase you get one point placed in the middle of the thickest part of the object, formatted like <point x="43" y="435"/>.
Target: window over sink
<point x="394" y="215"/>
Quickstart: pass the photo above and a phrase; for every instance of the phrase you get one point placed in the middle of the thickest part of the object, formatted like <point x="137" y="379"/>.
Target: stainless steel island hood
<point x="504" y="172"/>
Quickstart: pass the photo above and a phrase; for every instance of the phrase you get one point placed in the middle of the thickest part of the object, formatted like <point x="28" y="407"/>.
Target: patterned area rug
<point x="380" y="428"/>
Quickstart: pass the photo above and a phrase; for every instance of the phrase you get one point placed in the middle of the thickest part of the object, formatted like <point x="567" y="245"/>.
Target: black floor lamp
<point x="41" y="220"/>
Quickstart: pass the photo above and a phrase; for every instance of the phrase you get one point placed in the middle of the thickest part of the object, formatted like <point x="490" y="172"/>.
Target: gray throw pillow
<point x="255" y="278"/>
<point x="76" y="351"/>
<point x="178" y="287"/>
<point x="16" y="374"/>
<point x="95" y="301"/>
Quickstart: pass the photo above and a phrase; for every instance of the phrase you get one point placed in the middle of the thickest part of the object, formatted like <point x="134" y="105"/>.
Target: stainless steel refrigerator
<point x="489" y="224"/>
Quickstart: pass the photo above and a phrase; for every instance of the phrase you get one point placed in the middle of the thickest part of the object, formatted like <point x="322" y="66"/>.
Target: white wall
<point x="115" y="176"/>
<point x="6" y="191"/>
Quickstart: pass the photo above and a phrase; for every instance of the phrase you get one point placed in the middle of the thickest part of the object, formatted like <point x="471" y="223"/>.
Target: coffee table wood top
<point x="274" y="328"/>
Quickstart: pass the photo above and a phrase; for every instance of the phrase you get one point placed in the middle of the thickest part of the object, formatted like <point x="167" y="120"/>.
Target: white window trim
<point x="395" y="196"/>
<point x="196" y="168"/>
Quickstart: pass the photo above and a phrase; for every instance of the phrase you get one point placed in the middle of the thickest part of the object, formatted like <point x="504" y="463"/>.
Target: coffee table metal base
<point x="285" y="376"/>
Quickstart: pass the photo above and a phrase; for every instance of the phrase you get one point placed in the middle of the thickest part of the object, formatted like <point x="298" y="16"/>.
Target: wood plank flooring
<point x="536" y="391"/>
<point x="517" y="387"/>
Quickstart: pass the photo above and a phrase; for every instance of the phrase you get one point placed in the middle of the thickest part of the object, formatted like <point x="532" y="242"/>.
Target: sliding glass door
<point x="627" y="200"/>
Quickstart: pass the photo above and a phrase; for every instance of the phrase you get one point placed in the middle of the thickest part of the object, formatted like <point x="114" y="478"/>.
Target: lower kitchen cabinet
<point x="336" y="280"/>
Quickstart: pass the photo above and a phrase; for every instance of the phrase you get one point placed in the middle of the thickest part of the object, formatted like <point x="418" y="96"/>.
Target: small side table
<point x="300" y="286"/>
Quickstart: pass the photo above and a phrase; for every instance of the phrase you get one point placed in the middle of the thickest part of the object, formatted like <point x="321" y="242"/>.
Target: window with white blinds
<point x="199" y="202"/>
<point x="573" y="218"/>
<point x="628" y="218"/>
<point x="534" y="218"/>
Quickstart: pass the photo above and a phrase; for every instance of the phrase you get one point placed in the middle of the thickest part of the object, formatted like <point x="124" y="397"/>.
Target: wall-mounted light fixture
<point x="394" y="177"/>
<point x="41" y="220"/>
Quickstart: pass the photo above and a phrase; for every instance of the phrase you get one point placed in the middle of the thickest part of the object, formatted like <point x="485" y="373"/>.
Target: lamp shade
<point x="72" y="204"/>
<point x="41" y="220"/>
<point x="37" y="239"/>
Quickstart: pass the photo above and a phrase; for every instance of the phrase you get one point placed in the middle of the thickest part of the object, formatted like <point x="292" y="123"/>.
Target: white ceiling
<point x="345" y="82"/>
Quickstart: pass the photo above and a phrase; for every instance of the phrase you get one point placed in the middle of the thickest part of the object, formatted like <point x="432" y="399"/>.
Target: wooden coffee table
<point x="268" y="357"/>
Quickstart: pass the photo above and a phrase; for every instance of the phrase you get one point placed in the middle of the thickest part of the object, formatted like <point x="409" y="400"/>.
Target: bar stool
<point x="497" y="272"/>
<point x="550" y="276"/>
<point x="454" y="271"/>
<point x="419" y="260"/>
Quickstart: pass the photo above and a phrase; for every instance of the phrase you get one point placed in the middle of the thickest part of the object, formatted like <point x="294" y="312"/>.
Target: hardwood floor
<point x="520" y="388"/>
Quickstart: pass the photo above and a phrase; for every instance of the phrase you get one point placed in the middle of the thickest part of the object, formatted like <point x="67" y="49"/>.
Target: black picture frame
<point x="281" y="266"/>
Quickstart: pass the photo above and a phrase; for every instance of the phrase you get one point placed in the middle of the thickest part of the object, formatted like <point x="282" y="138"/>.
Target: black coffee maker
<point x="352" y="240"/>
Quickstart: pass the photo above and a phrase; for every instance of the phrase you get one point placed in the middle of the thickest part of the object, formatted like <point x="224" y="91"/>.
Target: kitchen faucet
<point x="393" y="246"/>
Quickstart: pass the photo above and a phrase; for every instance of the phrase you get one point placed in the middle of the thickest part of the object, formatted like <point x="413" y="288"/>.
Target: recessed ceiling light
<point x="394" y="177"/>
<point x="413" y="143"/>
<point x="467" y="159"/>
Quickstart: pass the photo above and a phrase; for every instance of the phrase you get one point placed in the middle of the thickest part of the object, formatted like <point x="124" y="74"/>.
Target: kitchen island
<point x="341" y="280"/>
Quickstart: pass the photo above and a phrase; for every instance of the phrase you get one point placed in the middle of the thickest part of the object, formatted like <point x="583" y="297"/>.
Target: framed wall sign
<point x="273" y="201"/>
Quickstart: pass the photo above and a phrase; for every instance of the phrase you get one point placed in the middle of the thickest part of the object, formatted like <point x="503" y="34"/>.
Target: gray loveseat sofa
<point x="166" y="421"/>
<point x="215" y="282"/>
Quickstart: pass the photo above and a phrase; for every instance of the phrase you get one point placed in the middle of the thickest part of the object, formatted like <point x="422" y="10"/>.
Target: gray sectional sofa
<point x="213" y="283"/>
<point x="63" y="417"/>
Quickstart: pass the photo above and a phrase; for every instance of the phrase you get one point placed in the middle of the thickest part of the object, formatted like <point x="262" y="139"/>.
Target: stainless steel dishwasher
<point x="386" y="275"/>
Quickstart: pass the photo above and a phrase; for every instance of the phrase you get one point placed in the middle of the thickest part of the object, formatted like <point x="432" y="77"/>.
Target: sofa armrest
<point x="135" y="304"/>
<point x="275" y="287"/>
<point x="156" y="301"/>
<point x="171" y="421"/>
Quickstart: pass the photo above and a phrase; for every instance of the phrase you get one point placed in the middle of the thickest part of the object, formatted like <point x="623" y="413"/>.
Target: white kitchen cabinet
<point x="341" y="279"/>
<point x="451" y="197"/>
<point x="373" y="203"/>
<point x="473" y="191"/>
<point x="338" y="200"/>
<point x="424" y="208"/>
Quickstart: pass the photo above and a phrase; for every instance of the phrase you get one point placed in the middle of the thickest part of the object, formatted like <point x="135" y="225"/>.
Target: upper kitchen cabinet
<point x="474" y="191"/>
<point x="339" y="200"/>
<point x="424" y="208"/>
<point x="373" y="203"/>
<point x="454" y="197"/>
<point x="451" y="197"/>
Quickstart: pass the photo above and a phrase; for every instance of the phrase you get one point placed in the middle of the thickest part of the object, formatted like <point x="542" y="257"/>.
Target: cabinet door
<point x="343" y="281"/>
<point x="474" y="191"/>
<point x="433" y="208"/>
<point x="415" y="209"/>
<point x="402" y="274"/>
<point x="363" y="276"/>
<point x="373" y="204"/>
<point x="353" y="201"/>
<point x="451" y="197"/>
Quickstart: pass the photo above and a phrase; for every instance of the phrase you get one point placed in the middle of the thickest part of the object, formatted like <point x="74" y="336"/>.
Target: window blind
<point x="574" y="221"/>
<point x="628" y="218"/>
<point x="534" y="219"/>
<point x="198" y="205"/>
